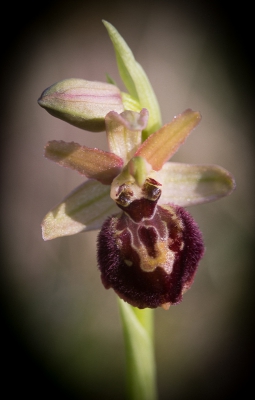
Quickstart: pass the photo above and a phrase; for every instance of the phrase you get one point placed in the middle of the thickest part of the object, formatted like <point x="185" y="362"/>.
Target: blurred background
<point x="61" y="333"/>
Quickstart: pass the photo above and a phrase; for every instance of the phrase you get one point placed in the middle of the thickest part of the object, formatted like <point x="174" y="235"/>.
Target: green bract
<point x="135" y="79"/>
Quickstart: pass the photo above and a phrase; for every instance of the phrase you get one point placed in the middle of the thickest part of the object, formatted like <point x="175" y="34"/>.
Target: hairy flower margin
<point x="149" y="246"/>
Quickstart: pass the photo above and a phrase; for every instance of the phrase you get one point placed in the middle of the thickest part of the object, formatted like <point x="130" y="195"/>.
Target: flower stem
<point x="139" y="348"/>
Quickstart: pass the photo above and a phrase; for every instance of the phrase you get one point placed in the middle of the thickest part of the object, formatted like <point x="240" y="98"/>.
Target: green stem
<point x="139" y="347"/>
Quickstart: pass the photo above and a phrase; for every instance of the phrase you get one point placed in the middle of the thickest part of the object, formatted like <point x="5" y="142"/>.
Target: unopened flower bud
<point x="82" y="103"/>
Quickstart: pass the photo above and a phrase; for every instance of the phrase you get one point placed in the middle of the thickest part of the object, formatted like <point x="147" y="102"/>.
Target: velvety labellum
<point x="149" y="253"/>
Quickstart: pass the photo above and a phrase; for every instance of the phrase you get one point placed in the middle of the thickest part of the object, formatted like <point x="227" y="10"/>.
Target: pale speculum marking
<point x="147" y="231"/>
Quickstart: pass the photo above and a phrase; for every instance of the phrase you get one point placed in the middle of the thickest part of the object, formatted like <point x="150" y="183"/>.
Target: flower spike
<point x="149" y="246"/>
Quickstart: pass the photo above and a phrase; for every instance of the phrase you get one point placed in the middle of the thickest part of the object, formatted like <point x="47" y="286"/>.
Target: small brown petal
<point x="93" y="163"/>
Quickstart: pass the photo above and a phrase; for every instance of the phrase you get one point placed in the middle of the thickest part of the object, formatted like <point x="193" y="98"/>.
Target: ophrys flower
<point x="149" y="246"/>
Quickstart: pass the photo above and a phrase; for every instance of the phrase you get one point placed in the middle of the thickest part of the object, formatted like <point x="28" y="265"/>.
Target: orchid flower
<point x="149" y="246"/>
